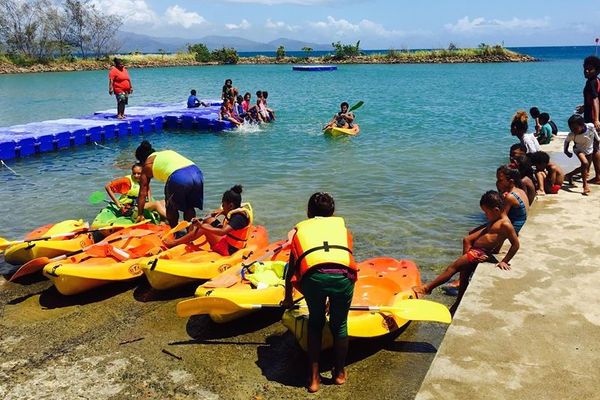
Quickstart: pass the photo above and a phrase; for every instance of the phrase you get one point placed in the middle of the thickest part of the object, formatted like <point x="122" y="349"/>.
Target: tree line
<point x="42" y="30"/>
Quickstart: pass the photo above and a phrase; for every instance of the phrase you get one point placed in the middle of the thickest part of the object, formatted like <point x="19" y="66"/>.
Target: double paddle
<point x="410" y="309"/>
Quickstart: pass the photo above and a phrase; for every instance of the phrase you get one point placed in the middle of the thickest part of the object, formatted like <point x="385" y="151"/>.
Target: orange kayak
<point x="382" y="281"/>
<point x="116" y="258"/>
<point x="188" y="263"/>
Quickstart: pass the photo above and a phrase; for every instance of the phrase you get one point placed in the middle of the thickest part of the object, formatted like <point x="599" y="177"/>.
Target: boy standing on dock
<point x="478" y="247"/>
<point x="119" y="84"/>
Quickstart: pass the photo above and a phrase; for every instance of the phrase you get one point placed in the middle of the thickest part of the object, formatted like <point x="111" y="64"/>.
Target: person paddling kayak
<point x="184" y="183"/>
<point x="343" y="119"/>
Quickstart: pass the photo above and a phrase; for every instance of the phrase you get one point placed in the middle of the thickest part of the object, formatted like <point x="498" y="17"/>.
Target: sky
<point x="378" y="24"/>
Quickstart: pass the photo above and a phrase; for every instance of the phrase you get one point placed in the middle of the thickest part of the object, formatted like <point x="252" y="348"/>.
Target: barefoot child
<point x="508" y="182"/>
<point x="550" y="176"/>
<point x="478" y="247"/>
<point x="523" y="164"/>
<point x="583" y="136"/>
<point x="322" y="267"/>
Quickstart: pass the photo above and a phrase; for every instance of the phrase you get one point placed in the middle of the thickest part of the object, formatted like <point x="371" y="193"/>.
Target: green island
<point x="199" y="55"/>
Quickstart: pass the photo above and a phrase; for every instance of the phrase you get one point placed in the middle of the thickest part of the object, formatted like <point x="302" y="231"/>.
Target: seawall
<point x="532" y="332"/>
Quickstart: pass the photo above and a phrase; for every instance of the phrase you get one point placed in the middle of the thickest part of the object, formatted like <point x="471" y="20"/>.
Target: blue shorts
<point x="185" y="189"/>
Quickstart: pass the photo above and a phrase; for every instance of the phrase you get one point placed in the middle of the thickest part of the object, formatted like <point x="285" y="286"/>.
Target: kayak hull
<point x="333" y="131"/>
<point x="383" y="281"/>
<point x="96" y="267"/>
<point x="24" y="252"/>
<point x="185" y="263"/>
<point x="242" y="292"/>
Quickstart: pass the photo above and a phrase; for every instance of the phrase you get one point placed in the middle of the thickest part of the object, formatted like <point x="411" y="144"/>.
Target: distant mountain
<point x="131" y="42"/>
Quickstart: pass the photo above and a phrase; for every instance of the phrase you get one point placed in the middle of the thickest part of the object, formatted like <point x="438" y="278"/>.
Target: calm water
<point x="409" y="184"/>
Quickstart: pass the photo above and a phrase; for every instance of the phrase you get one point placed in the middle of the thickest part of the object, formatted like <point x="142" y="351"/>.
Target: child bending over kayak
<point x="129" y="189"/>
<point x="342" y="119"/>
<point x="225" y="237"/>
<point x="478" y="247"/>
<point x="322" y="267"/>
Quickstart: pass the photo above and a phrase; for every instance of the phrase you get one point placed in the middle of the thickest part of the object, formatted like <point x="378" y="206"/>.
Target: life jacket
<point x="133" y="192"/>
<point x="166" y="162"/>
<point x="238" y="238"/>
<point x="321" y="240"/>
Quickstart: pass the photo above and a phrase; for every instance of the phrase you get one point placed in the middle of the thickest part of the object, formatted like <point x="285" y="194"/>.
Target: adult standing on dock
<point x="184" y="183"/>
<point x="119" y="84"/>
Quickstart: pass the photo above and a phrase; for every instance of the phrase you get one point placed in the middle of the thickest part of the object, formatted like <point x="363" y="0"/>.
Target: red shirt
<point x="121" y="81"/>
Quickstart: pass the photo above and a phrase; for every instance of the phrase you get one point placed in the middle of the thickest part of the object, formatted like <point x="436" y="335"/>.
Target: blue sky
<point x="379" y="24"/>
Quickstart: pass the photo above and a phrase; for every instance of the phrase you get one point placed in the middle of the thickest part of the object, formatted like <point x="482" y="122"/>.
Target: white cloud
<point x="280" y="26"/>
<point x="135" y="12"/>
<point x="344" y="27"/>
<point x="242" y="25"/>
<point x="482" y="24"/>
<point x="176" y="15"/>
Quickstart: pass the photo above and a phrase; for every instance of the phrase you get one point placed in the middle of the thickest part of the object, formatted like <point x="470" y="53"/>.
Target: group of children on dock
<point x="236" y="108"/>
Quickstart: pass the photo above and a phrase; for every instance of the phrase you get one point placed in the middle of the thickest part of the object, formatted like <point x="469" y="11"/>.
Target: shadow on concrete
<point x="51" y="298"/>
<point x="145" y="293"/>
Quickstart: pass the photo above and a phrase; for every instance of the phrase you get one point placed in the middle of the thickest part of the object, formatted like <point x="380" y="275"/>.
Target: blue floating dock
<point x="41" y="137"/>
<point x="314" y="68"/>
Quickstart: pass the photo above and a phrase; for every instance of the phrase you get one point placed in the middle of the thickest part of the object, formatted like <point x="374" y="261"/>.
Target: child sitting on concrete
<point x="545" y="134"/>
<point x="549" y="176"/>
<point x="478" y="247"/>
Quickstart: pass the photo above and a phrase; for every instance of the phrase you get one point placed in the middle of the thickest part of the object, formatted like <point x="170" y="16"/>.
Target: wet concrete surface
<point x="125" y="341"/>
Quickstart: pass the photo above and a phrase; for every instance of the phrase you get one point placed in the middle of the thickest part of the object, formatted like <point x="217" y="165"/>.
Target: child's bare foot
<point x="595" y="181"/>
<point x="339" y="377"/>
<point x="586" y="191"/>
<point x="420" y="291"/>
<point x="313" y="384"/>
<point x="540" y="193"/>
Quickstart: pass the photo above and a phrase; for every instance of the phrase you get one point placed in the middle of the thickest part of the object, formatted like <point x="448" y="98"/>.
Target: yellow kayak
<point x="261" y="283"/>
<point x="188" y="263"/>
<point x="382" y="281"/>
<point x="333" y="131"/>
<point x="24" y="252"/>
<point x="116" y="258"/>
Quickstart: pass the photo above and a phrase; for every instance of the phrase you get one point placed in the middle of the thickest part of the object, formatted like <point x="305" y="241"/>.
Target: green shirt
<point x="545" y="135"/>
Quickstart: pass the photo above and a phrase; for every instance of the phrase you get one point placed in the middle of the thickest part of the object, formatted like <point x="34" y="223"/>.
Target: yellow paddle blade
<point x="180" y="226"/>
<point x="4" y="243"/>
<point x="420" y="310"/>
<point x="207" y="305"/>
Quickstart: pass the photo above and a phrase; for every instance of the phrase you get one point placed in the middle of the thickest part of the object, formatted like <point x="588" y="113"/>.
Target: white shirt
<point x="584" y="142"/>
<point x="531" y="143"/>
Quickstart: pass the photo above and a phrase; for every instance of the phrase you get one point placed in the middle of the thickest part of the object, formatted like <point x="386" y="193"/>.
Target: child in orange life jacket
<point x="129" y="188"/>
<point x="322" y="267"/>
<point x="225" y="237"/>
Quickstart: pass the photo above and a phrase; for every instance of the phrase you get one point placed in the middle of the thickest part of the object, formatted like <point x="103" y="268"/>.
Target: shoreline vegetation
<point x="228" y="56"/>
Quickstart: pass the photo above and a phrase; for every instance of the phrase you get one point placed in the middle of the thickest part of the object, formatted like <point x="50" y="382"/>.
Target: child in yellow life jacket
<point x="322" y="267"/>
<point x="228" y="236"/>
<point x="129" y="189"/>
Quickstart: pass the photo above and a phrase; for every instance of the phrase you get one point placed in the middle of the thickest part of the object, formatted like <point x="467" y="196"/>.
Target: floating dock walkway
<point x="41" y="137"/>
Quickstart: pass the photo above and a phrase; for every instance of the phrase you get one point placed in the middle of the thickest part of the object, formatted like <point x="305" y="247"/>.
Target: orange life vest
<point x="238" y="238"/>
<point x="321" y="240"/>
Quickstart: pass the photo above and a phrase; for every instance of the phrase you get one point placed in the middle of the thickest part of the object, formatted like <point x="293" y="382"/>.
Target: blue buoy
<point x="314" y="67"/>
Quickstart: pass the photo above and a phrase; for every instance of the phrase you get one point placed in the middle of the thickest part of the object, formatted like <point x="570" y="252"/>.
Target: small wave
<point x="247" y="127"/>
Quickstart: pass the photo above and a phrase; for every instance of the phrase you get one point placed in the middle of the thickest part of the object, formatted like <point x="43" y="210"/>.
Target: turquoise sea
<point x="409" y="185"/>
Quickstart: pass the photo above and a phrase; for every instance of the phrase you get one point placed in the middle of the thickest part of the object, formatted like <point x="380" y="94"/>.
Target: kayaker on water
<point x="322" y="267"/>
<point x="342" y="119"/>
<point x="184" y="183"/>
<point x="129" y="189"/>
<point x="226" y="236"/>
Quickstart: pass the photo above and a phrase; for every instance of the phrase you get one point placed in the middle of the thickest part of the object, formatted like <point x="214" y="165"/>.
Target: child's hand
<point x="503" y="265"/>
